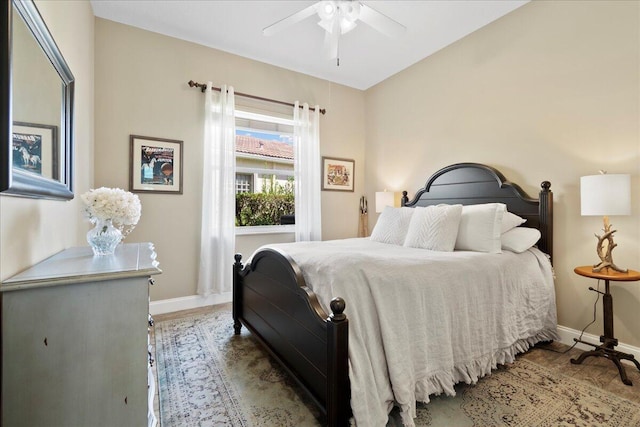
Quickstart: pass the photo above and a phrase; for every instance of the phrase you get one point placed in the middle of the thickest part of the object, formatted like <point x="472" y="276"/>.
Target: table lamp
<point x="384" y="199"/>
<point x="605" y="195"/>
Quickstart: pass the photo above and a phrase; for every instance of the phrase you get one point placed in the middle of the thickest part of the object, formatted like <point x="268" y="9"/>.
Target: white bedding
<point x="421" y="321"/>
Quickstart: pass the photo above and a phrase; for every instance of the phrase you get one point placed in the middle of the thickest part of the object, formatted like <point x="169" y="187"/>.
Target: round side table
<point x="607" y="348"/>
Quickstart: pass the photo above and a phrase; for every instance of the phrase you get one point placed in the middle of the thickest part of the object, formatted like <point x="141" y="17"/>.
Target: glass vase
<point x="104" y="237"/>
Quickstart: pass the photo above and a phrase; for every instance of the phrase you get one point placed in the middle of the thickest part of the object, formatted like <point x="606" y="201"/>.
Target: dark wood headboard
<point x="474" y="183"/>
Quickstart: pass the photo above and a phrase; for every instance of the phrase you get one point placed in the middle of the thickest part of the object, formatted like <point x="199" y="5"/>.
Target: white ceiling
<point x="366" y="56"/>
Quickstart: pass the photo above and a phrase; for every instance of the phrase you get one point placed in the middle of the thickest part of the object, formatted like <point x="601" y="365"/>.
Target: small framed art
<point x="35" y="149"/>
<point x="337" y="174"/>
<point x="156" y="165"/>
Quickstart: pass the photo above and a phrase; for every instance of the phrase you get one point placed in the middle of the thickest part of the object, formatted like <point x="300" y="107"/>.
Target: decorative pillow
<point x="510" y="220"/>
<point x="520" y="239"/>
<point x="480" y="227"/>
<point x="434" y="227"/>
<point x="392" y="225"/>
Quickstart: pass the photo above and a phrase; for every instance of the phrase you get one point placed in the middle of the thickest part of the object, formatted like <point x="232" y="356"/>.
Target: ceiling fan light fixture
<point x="345" y="13"/>
<point x="346" y="26"/>
<point x="350" y="10"/>
<point x="343" y="26"/>
<point x="327" y="10"/>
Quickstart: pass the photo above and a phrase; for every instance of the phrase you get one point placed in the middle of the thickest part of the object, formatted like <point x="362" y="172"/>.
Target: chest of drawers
<point x="75" y="340"/>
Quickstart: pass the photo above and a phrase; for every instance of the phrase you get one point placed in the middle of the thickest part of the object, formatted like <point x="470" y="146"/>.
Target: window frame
<point x="263" y="229"/>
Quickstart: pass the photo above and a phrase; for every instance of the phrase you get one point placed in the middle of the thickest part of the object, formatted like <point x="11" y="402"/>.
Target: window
<point x="244" y="183"/>
<point x="264" y="172"/>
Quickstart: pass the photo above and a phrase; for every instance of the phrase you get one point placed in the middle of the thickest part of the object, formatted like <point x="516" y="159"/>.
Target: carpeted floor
<point x="209" y="377"/>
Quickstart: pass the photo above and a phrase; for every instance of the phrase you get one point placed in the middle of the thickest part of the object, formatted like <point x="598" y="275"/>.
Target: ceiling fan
<point x="339" y="17"/>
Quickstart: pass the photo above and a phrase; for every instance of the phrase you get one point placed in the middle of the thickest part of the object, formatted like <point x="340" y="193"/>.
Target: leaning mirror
<point x="36" y="91"/>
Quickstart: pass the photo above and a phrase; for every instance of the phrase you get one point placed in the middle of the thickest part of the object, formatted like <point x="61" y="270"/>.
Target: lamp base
<point x="598" y="267"/>
<point x="605" y="247"/>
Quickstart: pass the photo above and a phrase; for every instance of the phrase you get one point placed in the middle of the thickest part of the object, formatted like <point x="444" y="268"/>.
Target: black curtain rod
<point x="203" y="87"/>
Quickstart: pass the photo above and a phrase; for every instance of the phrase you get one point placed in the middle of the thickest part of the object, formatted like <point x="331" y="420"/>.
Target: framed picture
<point x="337" y="174"/>
<point x="156" y="165"/>
<point x="35" y="149"/>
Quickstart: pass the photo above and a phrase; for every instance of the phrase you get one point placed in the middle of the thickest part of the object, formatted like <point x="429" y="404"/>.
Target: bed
<point x="280" y="298"/>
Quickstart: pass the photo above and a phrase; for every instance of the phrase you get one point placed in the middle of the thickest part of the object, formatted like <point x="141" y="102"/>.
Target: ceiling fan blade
<point x="380" y="22"/>
<point x="332" y="40"/>
<point x="290" y="20"/>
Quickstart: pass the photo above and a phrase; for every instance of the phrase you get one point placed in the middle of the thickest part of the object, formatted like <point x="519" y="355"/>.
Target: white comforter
<point x="421" y="321"/>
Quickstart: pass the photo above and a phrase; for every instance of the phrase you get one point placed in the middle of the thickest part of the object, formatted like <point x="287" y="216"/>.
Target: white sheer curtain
<point x="307" y="172"/>
<point x="217" y="240"/>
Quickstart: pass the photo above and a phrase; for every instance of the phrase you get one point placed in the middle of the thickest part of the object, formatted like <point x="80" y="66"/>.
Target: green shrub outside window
<point x="267" y="207"/>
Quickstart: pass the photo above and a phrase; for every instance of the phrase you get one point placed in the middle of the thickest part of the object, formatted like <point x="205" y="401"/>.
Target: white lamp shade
<point x="383" y="199"/>
<point x="605" y="194"/>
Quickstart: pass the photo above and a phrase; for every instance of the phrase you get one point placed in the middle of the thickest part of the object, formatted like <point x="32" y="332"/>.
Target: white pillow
<point x="434" y="227"/>
<point x="509" y="221"/>
<point x="392" y="225"/>
<point x="480" y="228"/>
<point x="520" y="239"/>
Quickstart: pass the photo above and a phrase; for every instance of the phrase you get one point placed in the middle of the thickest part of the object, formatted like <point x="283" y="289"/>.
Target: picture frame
<point x="35" y="149"/>
<point x="337" y="174"/>
<point x="155" y="165"/>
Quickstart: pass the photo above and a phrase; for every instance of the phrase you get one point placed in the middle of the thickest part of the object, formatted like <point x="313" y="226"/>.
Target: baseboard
<point x="567" y="335"/>
<point x="187" y="303"/>
<point x="195" y="301"/>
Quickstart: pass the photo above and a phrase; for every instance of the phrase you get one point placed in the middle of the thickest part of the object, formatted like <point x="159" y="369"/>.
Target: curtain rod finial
<point x="203" y="87"/>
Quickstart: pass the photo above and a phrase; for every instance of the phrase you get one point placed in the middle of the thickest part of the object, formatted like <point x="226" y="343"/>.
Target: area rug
<point x="210" y="377"/>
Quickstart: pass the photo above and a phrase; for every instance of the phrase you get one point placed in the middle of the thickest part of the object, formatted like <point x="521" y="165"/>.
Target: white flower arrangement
<point x="121" y="207"/>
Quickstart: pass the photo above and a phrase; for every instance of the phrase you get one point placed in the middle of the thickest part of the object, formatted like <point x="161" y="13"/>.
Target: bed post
<point x="237" y="294"/>
<point x="405" y="199"/>
<point x="338" y="394"/>
<point x="546" y="217"/>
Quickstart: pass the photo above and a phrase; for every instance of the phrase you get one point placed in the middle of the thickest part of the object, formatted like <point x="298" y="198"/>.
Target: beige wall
<point x="32" y="230"/>
<point x="141" y="88"/>
<point x="548" y="92"/>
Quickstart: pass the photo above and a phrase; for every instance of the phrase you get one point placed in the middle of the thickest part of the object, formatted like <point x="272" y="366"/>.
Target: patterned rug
<point x="209" y="377"/>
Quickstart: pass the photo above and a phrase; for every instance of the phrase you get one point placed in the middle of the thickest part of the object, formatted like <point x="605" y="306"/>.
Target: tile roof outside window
<point x="262" y="147"/>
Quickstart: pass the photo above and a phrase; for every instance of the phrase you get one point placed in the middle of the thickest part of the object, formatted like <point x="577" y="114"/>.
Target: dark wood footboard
<point x="271" y="299"/>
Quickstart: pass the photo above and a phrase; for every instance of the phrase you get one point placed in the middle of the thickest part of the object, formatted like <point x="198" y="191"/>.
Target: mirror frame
<point x="13" y="181"/>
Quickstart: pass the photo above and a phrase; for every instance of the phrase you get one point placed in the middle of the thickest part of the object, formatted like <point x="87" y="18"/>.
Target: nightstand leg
<point x="607" y="348"/>
<point x="586" y="354"/>
<point x="607" y="315"/>
<point x="621" y="370"/>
